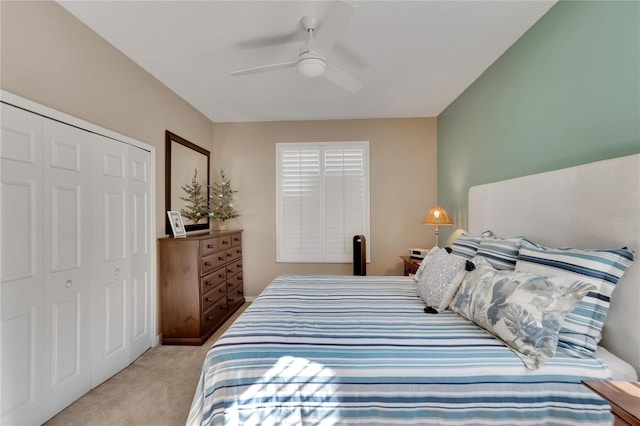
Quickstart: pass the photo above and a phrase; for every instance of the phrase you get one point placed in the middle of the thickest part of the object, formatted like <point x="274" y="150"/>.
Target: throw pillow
<point x="440" y="279"/>
<point x="582" y="329"/>
<point x="524" y="310"/>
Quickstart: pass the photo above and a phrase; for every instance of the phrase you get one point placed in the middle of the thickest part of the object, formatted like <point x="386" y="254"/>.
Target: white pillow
<point x="418" y="273"/>
<point x="440" y="278"/>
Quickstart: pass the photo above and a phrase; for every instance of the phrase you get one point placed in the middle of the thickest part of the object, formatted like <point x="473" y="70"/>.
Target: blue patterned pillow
<point x="467" y="245"/>
<point x="582" y="329"/>
<point x="501" y="253"/>
<point x="524" y="310"/>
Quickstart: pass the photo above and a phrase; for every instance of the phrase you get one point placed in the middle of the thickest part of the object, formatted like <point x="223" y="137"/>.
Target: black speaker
<point x="359" y="255"/>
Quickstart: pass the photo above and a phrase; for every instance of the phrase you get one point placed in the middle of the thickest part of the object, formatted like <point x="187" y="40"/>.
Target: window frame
<point x="323" y="256"/>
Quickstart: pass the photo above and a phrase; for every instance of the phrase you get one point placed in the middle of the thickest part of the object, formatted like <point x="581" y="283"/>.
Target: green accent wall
<point x="566" y="93"/>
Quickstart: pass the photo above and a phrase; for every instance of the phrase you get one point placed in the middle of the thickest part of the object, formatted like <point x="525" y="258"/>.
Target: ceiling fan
<point x="311" y="60"/>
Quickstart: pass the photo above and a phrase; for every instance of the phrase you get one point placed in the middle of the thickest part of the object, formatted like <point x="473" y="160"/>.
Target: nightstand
<point x="624" y="398"/>
<point x="410" y="265"/>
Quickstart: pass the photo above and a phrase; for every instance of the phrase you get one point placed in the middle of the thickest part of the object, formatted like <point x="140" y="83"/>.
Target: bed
<point x="336" y="350"/>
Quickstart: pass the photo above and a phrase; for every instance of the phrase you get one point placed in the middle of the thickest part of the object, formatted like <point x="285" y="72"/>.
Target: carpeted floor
<point x="156" y="389"/>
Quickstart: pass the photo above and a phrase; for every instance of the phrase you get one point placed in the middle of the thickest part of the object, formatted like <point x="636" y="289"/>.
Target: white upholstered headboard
<point x="595" y="205"/>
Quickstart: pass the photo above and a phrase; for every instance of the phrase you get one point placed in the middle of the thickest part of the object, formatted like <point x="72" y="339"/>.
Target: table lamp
<point x="437" y="216"/>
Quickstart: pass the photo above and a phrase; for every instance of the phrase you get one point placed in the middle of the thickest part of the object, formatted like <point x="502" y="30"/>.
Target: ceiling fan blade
<point x="264" y="68"/>
<point x="332" y="27"/>
<point x="269" y="41"/>
<point x="342" y="79"/>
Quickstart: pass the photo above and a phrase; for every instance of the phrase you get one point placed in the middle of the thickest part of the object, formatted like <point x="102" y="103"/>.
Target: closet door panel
<point x="112" y="284"/>
<point x="67" y="265"/>
<point x="21" y="277"/>
<point x="140" y="256"/>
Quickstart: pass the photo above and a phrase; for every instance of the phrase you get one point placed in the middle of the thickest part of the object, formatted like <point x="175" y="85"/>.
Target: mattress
<point x="341" y="350"/>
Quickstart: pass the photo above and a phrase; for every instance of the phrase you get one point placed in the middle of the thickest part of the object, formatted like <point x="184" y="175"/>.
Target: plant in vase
<point x="221" y="197"/>
<point x="196" y="207"/>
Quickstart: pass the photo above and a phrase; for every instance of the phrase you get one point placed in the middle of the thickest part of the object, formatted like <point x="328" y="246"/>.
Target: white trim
<point x="25" y="104"/>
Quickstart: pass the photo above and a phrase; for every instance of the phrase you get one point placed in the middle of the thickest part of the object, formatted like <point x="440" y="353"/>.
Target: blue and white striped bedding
<point x="336" y="350"/>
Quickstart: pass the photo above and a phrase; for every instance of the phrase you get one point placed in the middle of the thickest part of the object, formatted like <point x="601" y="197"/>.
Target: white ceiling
<point x="412" y="57"/>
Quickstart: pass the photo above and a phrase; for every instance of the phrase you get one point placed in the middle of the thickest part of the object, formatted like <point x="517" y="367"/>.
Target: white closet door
<point x="67" y="265"/>
<point x="111" y="286"/>
<point x="140" y="255"/>
<point x="21" y="277"/>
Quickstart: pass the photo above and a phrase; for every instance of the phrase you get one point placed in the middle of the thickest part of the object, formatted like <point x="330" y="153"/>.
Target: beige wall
<point x="403" y="187"/>
<point x="51" y="58"/>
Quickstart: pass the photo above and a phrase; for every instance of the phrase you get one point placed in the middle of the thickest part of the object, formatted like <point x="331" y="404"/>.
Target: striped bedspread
<point x="339" y="350"/>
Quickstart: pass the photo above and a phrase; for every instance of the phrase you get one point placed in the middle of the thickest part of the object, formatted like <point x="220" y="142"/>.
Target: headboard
<point x="595" y="205"/>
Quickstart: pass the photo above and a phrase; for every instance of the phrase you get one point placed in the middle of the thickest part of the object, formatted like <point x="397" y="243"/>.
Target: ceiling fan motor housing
<point x="311" y="66"/>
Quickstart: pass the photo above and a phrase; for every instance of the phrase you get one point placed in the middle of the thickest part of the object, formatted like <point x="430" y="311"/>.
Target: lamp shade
<point x="437" y="216"/>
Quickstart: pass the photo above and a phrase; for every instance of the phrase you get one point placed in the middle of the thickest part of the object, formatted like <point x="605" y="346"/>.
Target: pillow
<point x="418" y="273"/>
<point x="466" y="245"/>
<point x="524" y="310"/>
<point x="441" y="278"/>
<point x="582" y="329"/>
<point x="501" y="253"/>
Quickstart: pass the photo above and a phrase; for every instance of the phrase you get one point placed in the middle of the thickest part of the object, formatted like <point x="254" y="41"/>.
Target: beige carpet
<point x="156" y="389"/>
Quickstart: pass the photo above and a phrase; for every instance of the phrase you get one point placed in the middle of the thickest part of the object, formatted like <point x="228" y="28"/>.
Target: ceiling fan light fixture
<point x="311" y="67"/>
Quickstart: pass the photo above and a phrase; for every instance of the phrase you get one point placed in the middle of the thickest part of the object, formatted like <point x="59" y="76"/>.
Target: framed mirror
<point x="181" y="159"/>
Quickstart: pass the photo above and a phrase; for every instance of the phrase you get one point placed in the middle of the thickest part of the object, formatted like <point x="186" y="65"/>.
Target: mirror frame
<point x="170" y="140"/>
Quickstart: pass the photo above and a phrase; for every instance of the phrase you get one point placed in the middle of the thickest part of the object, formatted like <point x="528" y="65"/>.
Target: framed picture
<point x="177" y="227"/>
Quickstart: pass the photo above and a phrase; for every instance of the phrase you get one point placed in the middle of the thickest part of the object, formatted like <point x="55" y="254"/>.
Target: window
<point x="322" y="200"/>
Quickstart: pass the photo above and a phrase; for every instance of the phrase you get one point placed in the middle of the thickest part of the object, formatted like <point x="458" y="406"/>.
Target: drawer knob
<point x="220" y="275"/>
<point x="229" y="255"/>
<point x="208" y="263"/>
<point x="210" y="246"/>
<point x="68" y="284"/>
<point x="221" y="290"/>
<point x="220" y="257"/>
<point x="209" y="282"/>
<point x="225" y="242"/>
<point x="209" y="318"/>
<point x="238" y="251"/>
<point x="239" y="278"/>
<point x="240" y="292"/>
<point x="231" y="300"/>
<point x="208" y="299"/>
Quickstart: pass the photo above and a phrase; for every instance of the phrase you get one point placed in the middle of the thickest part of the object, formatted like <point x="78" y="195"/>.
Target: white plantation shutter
<point x="322" y="200"/>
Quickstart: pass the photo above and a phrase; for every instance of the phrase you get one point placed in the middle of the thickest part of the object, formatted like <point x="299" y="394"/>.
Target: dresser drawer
<point x="234" y="253"/>
<point x="209" y="246"/>
<point x="213" y="296"/>
<point x="234" y="281"/>
<point x="211" y="280"/>
<point x="224" y="242"/>
<point x="236" y="292"/>
<point x="236" y="239"/>
<point x="216" y="313"/>
<point x="235" y="297"/>
<point x="212" y="262"/>
<point x="234" y="267"/>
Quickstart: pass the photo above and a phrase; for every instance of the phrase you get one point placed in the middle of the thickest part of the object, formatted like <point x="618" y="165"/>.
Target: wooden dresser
<point x="200" y="285"/>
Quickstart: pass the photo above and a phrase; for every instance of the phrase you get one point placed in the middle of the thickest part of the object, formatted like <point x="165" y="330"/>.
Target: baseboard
<point x="249" y="299"/>
<point x="158" y="340"/>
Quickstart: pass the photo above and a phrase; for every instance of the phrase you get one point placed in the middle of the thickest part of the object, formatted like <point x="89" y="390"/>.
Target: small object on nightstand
<point x="410" y="265"/>
<point x="624" y="398"/>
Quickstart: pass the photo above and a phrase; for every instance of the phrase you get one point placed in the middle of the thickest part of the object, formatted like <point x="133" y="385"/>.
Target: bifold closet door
<point x="111" y="287"/>
<point x="21" y="276"/>
<point x="67" y="265"/>
<point x="140" y="253"/>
